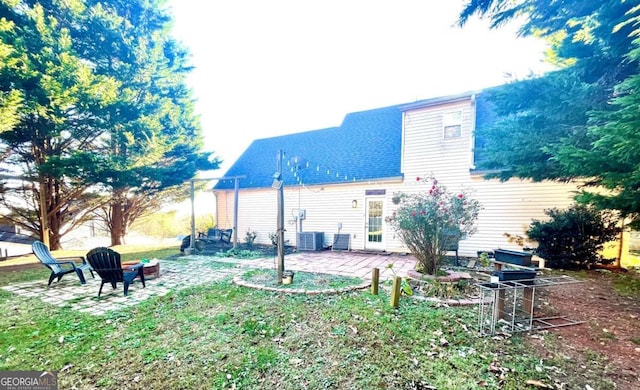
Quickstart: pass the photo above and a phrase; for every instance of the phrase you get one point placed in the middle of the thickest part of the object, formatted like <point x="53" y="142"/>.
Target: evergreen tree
<point x="50" y="94"/>
<point x="152" y="136"/>
<point x="94" y="112"/>
<point x="581" y="121"/>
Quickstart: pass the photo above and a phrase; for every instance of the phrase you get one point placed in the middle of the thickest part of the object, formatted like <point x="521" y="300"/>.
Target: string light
<point x="298" y="173"/>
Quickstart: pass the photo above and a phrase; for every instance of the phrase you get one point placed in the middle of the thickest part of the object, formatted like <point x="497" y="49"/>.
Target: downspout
<point x="236" y="189"/>
<point x="192" y="190"/>
<point x="472" y="162"/>
<point x="405" y="118"/>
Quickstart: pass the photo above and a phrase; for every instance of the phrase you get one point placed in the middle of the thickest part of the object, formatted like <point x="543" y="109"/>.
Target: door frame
<point x="374" y="245"/>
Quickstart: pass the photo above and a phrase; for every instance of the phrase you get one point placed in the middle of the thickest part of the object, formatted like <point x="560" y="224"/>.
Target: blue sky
<point x="265" y="68"/>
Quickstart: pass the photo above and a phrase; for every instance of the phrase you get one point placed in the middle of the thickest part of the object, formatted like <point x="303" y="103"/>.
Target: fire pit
<point x="151" y="269"/>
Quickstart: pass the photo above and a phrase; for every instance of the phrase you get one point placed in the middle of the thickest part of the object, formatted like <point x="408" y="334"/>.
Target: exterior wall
<point x="508" y="207"/>
<point x="325" y="208"/>
<point x="426" y="151"/>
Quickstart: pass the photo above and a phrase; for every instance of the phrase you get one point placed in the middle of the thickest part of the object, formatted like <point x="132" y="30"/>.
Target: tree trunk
<point x="117" y="220"/>
<point x="50" y="218"/>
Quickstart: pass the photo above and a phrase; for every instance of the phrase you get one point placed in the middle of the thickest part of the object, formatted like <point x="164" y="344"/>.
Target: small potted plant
<point x="287" y="277"/>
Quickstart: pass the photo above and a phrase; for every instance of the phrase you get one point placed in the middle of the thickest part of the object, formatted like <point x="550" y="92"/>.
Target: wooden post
<point x="527" y="300"/>
<point x="499" y="304"/>
<point x="375" y="278"/>
<point x="280" y="222"/>
<point x="395" y="292"/>
<point x="192" y="243"/>
<point x="44" y="212"/>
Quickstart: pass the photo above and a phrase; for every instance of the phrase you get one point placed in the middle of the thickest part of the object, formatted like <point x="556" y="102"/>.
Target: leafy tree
<point x="49" y="93"/>
<point x="581" y="121"/>
<point x="430" y="222"/>
<point x="535" y="118"/>
<point x="95" y="113"/>
<point x="573" y="238"/>
<point x="613" y="161"/>
<point x="154" y="140"/>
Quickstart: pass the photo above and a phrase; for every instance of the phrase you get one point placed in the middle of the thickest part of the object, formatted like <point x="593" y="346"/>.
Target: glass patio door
<point x="374" y="224"/>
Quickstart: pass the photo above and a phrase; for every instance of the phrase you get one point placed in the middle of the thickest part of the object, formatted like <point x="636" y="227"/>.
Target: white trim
<point x="451" y="119"/>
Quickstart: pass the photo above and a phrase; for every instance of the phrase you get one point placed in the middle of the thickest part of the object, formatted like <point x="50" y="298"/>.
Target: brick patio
<point x="181" y="274"/>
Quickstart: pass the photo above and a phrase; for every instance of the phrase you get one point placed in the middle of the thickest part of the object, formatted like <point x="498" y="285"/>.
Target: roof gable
<point x="366" y="146"/>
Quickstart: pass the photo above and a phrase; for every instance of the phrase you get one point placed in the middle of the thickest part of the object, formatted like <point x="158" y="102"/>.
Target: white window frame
<point x="451" y="120"/>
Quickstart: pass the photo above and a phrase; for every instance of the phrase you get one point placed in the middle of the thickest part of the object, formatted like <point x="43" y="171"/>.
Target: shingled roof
<point x="367" y="146"/>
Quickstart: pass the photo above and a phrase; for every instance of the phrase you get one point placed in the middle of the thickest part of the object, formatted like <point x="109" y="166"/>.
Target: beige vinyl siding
<point x="257" y="212"/>
<point x="425" y="149"/>
<point x="325" y="207"/>
<point x="510" y="207"/>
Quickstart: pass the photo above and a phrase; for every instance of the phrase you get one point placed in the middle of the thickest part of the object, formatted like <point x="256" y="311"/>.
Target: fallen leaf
<point x="537" y="383"/>
<point x="66" y="368"/>
<point x="494" y="367"/>
<point x="296" y="361"/>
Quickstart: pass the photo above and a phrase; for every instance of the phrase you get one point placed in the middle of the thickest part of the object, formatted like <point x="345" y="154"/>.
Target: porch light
<point x="354" y="204"/>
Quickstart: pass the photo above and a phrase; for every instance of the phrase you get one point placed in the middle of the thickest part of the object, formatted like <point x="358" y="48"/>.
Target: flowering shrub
<point x="430" y="222"/>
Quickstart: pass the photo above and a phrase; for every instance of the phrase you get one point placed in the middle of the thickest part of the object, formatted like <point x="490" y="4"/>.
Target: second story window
<point x="452" y="124"/>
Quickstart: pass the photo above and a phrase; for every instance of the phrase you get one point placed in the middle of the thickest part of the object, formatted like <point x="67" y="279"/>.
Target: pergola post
<point x="235" y="208"/>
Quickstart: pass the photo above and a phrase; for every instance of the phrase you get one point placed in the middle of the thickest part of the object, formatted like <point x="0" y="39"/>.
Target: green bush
<point x="573" y="238"/>
<point x="250" y="237"/>
<point x="430" y="222"/>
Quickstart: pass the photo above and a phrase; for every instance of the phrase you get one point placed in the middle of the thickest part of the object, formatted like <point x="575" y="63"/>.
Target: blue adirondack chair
<point x="62" y="265"/>
<point x="106" y="262"/>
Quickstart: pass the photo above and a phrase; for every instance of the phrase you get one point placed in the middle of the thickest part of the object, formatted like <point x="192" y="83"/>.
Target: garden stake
<point x="375" y="277"/>
<point x="395" y="292"/>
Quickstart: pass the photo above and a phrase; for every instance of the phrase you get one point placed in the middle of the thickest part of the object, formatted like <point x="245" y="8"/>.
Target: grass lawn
<point x="223" y="336"/>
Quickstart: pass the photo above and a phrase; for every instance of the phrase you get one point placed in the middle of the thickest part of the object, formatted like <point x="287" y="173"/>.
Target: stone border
<point x="449" y="301"/>
<point x="237" y="280"/>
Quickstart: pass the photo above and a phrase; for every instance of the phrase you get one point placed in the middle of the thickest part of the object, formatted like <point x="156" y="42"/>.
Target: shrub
<point x="573" y="238"/>
<point x="250" y="237"/>
<point x="430" y="222"/>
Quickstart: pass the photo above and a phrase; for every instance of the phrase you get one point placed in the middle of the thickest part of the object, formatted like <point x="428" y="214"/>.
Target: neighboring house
<point x="13" y="243"/>
<point x="342" y="179"/>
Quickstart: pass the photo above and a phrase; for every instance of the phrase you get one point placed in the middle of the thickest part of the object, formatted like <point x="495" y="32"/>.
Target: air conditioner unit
<point x="340" y="242"/>
<point x="310" y="241"/>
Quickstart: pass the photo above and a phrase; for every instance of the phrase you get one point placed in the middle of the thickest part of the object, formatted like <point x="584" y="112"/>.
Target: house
<point x="341" y="180"/>
<point x="12" y="241"/>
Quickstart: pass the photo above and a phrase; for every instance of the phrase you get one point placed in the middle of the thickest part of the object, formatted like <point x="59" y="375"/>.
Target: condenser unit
<point x="310" y="241"/>
<point x="340" y="242"/>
